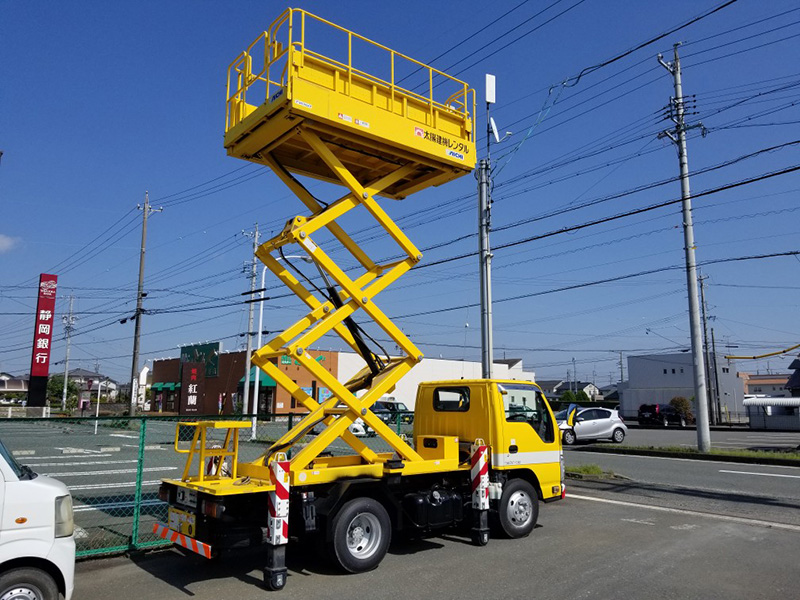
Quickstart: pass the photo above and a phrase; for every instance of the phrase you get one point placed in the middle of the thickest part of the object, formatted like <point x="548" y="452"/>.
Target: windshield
<point x="19" y="471"/>
<point x="561" y="415"/>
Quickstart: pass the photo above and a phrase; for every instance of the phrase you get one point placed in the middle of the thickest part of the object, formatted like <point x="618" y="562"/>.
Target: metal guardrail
<point x="114" y="465"/>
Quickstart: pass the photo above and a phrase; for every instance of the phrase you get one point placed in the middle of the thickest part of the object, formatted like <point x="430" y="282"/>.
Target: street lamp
<point x="307" y="259"/>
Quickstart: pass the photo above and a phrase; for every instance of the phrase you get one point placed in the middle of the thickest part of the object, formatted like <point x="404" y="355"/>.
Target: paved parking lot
<point x="586" y="546"/>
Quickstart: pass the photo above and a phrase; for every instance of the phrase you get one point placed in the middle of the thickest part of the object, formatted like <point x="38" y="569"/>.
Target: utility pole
<point x="246" y="399"/>
<point x="678" y="136"/>
<point x="485" y="254"/>
<point x="713" y="414"/>
<point x="621" y="368"/>
<point x="574" y="376"/>
<point x="69" y="325"/>
<point x="716" y="376"/>
<point x="146" y="211"/>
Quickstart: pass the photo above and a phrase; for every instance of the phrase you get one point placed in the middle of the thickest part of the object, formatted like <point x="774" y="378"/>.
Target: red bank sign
<point x="43" y="331"/>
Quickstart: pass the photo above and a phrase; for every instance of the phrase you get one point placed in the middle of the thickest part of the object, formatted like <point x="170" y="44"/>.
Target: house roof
<point x="794" y="381"/>
<point x="548" y="384"/>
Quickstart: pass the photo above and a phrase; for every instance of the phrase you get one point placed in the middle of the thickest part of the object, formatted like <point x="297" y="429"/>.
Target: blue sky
<point x="102" y="101"/>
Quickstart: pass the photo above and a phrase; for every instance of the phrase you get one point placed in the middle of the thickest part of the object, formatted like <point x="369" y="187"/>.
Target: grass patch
<point x="787" y="454"/>
<point x="587" y="470"/>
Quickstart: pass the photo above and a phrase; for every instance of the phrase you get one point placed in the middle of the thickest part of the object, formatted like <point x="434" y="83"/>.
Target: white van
<point x="37" y="547"/>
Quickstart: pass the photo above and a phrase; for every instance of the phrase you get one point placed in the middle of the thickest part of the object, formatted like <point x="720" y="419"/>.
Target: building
<point x="13" y="388"/>
<point x="589" y="389"/>
<point x="221" y="390"/>
<point x="658" y="378"/>
<point x="768" y="385"/>
<point x="776" y="408"/>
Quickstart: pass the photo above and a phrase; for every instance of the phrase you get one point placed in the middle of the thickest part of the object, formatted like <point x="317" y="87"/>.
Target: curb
<point x="778" y="462"/>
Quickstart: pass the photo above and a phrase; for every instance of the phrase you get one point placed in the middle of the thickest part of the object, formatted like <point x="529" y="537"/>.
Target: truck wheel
<point x="361" y="535"/>
<point x="569" y="437"/>
<point x="28" y="584"/>
<point x="519" y="508"/>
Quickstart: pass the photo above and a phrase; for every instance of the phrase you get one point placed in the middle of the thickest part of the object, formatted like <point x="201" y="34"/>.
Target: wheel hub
<point x="519" y="508"/>
<point x="363" y="535"/>
<point x="21" y="593"/>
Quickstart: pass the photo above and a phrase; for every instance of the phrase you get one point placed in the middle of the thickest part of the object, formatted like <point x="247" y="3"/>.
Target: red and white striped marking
<point x="187" y="542"/>
<point x="479" y="473"/>
<point x="278" y="503"/>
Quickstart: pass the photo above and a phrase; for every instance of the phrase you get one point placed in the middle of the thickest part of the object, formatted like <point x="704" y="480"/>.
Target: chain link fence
<point x="113" y="466"/>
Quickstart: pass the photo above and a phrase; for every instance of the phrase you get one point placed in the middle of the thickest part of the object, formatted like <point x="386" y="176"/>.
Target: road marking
<point x="693" y="513"/>
<point x="59" y="457"/>
<point x="639" y="521"/>
<point x="694" y="460"/>
<point x="124" y="435"/>
<point x="112" y="472"/>
<point x="103" y="486"/>
<point x="762" y="474"/>
<point x="111" y="505"/>
<point x="92" y="462"/>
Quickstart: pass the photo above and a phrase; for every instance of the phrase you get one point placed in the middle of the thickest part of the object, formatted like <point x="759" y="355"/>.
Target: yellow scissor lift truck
<point x="481" y="450"/>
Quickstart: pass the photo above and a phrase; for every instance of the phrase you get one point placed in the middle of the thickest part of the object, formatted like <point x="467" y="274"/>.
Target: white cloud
<point x="7" y="242"/>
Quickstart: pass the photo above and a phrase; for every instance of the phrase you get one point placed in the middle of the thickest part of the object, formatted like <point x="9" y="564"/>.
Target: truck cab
<point x="512" y="417"/>
<point x="37" y="547"/>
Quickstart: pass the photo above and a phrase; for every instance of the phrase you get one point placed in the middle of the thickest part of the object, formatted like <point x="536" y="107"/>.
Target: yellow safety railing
<point x="282" y="40"/>
<point x="200" y="449"/>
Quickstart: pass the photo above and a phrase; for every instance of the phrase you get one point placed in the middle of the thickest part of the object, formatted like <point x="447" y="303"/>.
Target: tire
<point x="569" y="437"/>
<point x="665" y="422"/>
<point x="519" y="509"/>
<point x="28" y="583"/>
<point x="618" y="436"/>
<point x="361" y="532"/>
<point x="683" y="422"/>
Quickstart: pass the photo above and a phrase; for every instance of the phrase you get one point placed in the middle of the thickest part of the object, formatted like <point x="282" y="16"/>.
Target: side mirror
<point x="579" y="420"/>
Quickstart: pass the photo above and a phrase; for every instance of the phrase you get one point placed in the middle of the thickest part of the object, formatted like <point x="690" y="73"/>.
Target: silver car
<point x="592" y="424"/>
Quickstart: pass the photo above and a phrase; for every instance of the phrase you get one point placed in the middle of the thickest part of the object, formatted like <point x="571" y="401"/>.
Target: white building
<point x="434" y="369"/>
<point x="658" y="378"/>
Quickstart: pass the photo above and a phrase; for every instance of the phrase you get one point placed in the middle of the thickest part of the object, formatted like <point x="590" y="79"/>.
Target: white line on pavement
<point x="103" y="486"/>
<point x="113" y="472"/>
<point x="692" y="513"/>
<point x="62" y="457"/>
<point x="111" y="505"/>
<point x="92" y="462"/>
<point x="694" y="460"/>
<point x="761" y="474"/>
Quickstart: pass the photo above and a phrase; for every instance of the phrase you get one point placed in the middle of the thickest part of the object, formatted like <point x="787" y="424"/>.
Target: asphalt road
<point x="748" y="491"/>
<point x="720" y="438"/>
<point x="594" y="544"/>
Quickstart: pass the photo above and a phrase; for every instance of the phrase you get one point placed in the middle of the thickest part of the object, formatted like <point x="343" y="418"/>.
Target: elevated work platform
<point x="283" y="85"/>
<point x="300" y="111"/>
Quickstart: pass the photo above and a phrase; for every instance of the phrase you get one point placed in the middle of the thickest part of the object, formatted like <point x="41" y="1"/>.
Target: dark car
<point x="393" y="412"/>
<point x="662" y="415"/>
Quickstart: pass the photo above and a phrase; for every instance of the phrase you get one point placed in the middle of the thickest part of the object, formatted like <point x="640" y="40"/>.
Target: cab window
<point x="526" y="404"/>
<point x="451" y="399"/>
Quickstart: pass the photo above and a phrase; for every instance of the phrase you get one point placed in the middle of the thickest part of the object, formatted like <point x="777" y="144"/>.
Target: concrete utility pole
<point x="678" y="136"/>
<point x="484" y="225"/>
<point x="718" y="394"/>
<point x="714" y="416"/>
<point x="146" y="211"/>
<point x="69" y="325"/>
<point x="621" y="368"/>
<point x="246" y="409"/>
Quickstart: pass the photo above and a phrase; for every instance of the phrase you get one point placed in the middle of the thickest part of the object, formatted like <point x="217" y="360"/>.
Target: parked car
<point x="390" y="410"/>
<point x="592" y="424"/>
<point x="662" y="415"/>
<point x="37" y="546"/>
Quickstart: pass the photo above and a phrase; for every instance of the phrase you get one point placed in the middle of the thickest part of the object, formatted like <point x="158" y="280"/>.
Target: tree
<point x="568" y="397"/>
<point x="582" y="397"/>
<point x="683" y="406"/>
<point x="55" y="389"/>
